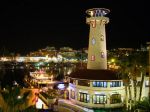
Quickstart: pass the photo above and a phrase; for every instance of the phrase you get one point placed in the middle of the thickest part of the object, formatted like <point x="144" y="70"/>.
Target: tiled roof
<point x="94" y="74"/>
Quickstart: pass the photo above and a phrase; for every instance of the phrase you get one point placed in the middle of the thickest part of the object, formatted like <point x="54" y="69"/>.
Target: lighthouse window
<point x="102" y="38"/>
<point x="93" y="41"/>
<point x="102" y="55"/>
<point x="93" y="23"/>
<point x="99" y="99"/>
<point x="92" y="58"/>
<point x="100" y="84"/>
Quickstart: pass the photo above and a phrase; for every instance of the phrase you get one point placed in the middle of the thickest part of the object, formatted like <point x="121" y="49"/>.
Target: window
<point x="115" y="84"/>
<point x="100" y="84"/>
<point x="83" y="97"/>
<point x="93" y="41"/>
<point x="93" y="23"/>
<point x="146" y="83"/>
<point x="102" y="55"/>
<point x="72" y="94"/>
<point x="94" y="84"/>
<point x="92" y="58"/>
<point x="99" y="99"/>
<point x="115" y="98"/>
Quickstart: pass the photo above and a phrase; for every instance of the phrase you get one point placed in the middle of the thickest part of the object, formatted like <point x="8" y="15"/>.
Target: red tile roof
<point x="94" y="74"/>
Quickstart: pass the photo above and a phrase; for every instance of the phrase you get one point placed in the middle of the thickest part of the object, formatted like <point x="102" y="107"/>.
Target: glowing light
<point x="19" y="97"/>
<point x="61" y="86"/>
<point x="39" y="104"/>
<point x="112" y="60"/>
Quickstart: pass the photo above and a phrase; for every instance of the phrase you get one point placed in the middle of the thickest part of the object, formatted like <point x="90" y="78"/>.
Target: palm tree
<point x="12" y="99"/>
<point x="123" y="72"/>
<point x="131" y="67"/>
<point x="138" y="69"/>
<point x="143" y="105"/>
<point x="142" y="69"/>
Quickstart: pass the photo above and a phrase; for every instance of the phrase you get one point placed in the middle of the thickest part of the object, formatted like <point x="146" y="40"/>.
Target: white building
<point x="96" y="89"/>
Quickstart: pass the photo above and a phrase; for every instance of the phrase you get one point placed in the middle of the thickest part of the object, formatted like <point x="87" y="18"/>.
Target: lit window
<point x="100" y="84"/>
<point x="115" y="84"/>
<point x="99" y="99"/>
<point x="146" y="83"/>
<point x="105" y="84"/>
<point x="94" y="84"/>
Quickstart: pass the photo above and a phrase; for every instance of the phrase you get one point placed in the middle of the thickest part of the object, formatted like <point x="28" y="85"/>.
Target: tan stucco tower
<point x="97" y="54"/>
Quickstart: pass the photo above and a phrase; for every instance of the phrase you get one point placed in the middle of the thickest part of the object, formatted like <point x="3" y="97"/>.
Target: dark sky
<point x="28" y="25"/>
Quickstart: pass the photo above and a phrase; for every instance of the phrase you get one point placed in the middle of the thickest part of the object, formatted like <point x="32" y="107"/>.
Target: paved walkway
<point x="74" y="107"/>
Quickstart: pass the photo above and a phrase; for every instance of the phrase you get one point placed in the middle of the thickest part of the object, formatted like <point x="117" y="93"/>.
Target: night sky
<point x="29" y="25"/>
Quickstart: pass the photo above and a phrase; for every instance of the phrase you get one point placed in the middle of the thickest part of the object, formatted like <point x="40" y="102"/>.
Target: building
<point x="96" y="86"/>
<point x="41" y="78"/>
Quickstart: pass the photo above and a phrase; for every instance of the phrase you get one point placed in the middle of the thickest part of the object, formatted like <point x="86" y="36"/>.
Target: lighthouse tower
<point x="97" y="54"/>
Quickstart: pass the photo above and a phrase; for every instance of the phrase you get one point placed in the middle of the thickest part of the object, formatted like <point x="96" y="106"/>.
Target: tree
<point x="2" y="72"/>
<point x="13" y="99"/>
<point x="143" y="105"/>
<point x="123" y="72"/>
<point x="131" y="67"/>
